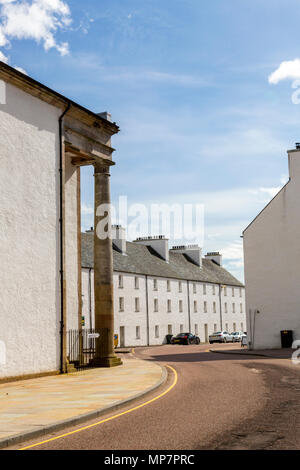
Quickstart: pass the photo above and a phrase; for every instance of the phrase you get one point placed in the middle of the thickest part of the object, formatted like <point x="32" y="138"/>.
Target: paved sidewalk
<point x="33" y="407"/>
<point x="272" y="353"/>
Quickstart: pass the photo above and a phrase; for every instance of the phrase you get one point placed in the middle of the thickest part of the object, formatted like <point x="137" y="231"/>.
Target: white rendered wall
<point x="29" y="234"/>
<point x="272" y="260"/>
<point x="129" y="319"/>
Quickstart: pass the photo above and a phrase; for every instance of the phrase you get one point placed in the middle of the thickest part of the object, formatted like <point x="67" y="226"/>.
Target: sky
<point x="204" y="92"/>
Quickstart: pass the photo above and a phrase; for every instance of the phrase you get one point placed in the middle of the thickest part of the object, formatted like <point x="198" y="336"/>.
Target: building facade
<point x="45" y="138"/>
<point x="158" y="291"/>
<point x="272" y="260"/>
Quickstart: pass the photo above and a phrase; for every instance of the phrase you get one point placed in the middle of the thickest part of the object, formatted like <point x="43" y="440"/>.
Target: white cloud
<point x="3" y="57"/>
<point x="20" y="69"/>
<point x="233" y="251"/>
<point x="37" y="19"/>
<point x="289" y="69"/>
<point x="270" y="191"/>
<point x="86" y="209"/>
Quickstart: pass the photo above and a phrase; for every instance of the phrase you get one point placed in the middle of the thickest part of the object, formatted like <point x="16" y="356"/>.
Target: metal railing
<point x="82" y="346"/>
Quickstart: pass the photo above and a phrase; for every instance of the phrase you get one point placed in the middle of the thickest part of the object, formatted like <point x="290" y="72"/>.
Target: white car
<point x="220" y="337"/>
<point x="237" y="336"/>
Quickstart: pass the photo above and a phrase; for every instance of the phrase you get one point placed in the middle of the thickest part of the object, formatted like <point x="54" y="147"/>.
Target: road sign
<point x="93" y="335"/>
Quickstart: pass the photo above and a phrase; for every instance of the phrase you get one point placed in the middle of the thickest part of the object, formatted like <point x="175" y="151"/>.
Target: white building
<point x="158" y="291"/>
<point x="45" y="138"/>
<point x="272" y="260"/>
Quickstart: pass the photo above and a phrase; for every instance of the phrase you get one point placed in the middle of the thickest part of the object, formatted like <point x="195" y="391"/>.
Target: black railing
<point x="82" y="346"/>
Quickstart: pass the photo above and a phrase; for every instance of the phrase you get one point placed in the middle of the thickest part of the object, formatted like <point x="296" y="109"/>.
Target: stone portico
<point x="40" y="237"/>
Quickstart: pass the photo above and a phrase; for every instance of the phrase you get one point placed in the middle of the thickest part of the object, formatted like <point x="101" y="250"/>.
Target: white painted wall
<point x="272" y="260"/>
<point x="29" y="253"/>
<point x="130" y="319"/>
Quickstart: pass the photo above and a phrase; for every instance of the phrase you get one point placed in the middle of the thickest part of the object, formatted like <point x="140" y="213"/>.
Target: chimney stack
<point x="160" y="244"/>
<point x="215" y="256"/>
<point x="119" y="238"/>
<point x="194" y="252"/>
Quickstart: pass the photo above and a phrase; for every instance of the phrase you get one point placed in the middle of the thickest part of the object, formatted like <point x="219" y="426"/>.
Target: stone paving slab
<point x="33" y="407"/>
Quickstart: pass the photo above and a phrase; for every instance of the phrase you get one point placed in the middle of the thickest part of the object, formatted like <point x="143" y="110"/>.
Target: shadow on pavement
<point x="203" y="357"/>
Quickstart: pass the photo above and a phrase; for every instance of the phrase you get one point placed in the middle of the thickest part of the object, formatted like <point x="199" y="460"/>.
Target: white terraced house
<point x="158" y="291"/>
<point x="272" y="259"/>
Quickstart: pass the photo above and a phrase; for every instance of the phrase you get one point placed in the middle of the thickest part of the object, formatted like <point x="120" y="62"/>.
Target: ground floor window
<point x="138" y="332"/>
<point x="196" y="330"/>
<point x="156" y="331"/>
<point x="170" y="330"/>
<point x="181" y="328"/>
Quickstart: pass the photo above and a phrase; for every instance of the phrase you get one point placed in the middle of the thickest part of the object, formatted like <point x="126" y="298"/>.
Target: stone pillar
<point x="103" y="272"/>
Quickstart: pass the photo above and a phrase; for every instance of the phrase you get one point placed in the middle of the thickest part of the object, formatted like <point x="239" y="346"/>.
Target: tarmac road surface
<point x="219" y="402"/>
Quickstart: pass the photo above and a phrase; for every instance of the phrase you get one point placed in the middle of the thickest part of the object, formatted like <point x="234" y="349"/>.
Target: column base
<point x="106" y="362"/>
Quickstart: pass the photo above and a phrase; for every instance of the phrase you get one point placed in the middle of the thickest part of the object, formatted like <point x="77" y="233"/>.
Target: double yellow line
<point x="112" y="417"/>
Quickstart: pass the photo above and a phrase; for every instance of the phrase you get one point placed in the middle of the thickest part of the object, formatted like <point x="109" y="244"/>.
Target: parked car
<point x="237" y="336"/>
<point x="221" y="337"/>
<point x="185" y="338"/>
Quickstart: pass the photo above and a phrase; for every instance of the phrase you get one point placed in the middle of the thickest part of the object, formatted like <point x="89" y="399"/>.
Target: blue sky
<point x="190" y="84"/>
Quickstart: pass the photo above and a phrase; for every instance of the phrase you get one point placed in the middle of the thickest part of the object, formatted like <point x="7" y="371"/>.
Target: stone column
<point x="103" y="271"/>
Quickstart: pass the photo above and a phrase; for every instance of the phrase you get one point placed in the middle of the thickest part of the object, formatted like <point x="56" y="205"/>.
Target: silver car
<point x="237" y="336"/>
<point x="220" y="337"/>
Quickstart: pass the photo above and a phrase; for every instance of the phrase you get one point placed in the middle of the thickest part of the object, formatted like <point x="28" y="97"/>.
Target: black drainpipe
<point x="62" y="326"/>
<point x="189" y="306"/>
<point x="220" y="300"/>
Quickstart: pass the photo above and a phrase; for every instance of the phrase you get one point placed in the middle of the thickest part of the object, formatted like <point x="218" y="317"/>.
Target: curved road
<point x="220" y="401"/>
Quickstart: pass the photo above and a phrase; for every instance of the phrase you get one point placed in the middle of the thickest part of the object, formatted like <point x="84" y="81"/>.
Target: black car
<point x="185" y="338"/>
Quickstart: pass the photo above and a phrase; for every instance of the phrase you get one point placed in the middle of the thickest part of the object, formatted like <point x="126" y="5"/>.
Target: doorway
<point x="122" y="336"/>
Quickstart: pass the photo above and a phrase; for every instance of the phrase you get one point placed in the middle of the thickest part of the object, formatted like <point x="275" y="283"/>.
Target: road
<point x="219" y="402"/>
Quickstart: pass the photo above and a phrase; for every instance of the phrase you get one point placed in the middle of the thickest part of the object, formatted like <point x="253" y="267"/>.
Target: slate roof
<point x="142" y="259"/>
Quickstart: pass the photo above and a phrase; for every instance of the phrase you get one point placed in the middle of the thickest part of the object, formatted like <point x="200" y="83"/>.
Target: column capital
<point x="103" y="167"/>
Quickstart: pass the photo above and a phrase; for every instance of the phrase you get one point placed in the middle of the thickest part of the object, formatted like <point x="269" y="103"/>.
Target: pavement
<point x="230" y="400"/>
<point x="32" y="408"/>
<point x="214" y="394"/>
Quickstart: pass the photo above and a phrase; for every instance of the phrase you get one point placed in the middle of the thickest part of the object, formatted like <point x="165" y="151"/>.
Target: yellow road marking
<point x="112" y="417"/>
